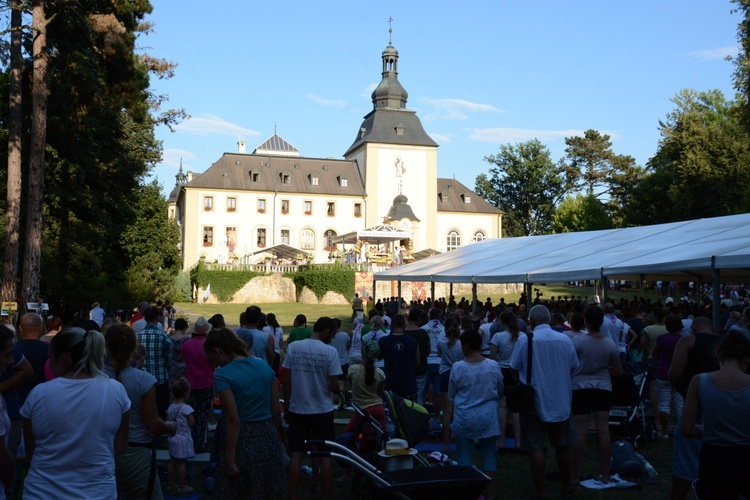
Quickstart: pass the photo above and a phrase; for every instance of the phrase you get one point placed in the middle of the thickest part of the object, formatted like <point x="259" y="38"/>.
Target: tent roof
<point x="282" y="251"/>
<point x="685" y="250"/>
<point x="382" y="233"/>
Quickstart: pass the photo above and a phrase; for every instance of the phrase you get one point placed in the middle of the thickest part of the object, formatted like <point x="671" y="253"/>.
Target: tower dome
<point x="389" y="93"/>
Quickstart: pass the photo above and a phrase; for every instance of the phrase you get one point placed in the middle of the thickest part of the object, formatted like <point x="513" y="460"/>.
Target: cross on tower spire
<point x="390" y="31"/>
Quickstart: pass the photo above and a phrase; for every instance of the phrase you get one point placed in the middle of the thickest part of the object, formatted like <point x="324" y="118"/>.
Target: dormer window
<point x="314" y="179"/>
<point x="466" y="198"/>
<point x="286" y="178"/>
<point x="400" y="129"/>
<point x="255" y="176"/>
<point x="443" y="197"/>
<point x="343" y="182"/>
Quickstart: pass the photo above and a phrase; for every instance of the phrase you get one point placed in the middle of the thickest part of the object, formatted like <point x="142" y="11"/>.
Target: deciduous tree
<point x="526" y="184"/>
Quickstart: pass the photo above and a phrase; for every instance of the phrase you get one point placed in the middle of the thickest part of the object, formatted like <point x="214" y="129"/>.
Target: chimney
<point x="241" y="147"/>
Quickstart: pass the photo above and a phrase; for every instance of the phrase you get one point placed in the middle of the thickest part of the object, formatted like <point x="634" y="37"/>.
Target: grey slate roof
<point x="234" y="171"/>
<point x="382" y="126"/>
<point x="450" y="199"/>
<point x="276" y="143"/>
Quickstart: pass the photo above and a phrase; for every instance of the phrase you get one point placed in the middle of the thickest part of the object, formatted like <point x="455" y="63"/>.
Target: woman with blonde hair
<point x="75" y="424"/>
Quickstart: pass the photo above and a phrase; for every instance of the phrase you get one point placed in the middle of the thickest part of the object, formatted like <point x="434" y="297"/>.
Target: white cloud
<point x="326" y="102"/>
<point x="513" y="135"/>
<point x="369" y="90"/>
<point x="456" y="109"/>
<point x="710" y="54"/>
<point x="440" y="138"/>
<point x="213" y="125"/>
<point x="171" y="158"/>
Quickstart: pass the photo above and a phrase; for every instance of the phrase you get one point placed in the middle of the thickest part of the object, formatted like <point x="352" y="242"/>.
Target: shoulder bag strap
<point x="529" y="335"/>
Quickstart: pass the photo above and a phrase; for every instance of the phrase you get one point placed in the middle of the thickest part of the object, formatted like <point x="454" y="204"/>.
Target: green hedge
<point x="324" y="278"/>
<point x="224" y="284"/>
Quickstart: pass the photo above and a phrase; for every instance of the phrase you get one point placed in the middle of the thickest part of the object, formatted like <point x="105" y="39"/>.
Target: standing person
<point x="54" y="325"/>
<point x="200" y="375"/>
<point x="358" y="309"/>
<point x="273" y="329"/>
<point x="34" y="350"/>
<point x="374" y="331"/>
<point x="423" y="342"/>
<point x="97" y="314"/>
<point x="400" y="354"/>
<point x="450" y="352"/>
<point x="135" y="470"/>
<point x="476" y="387"/>
<point x="300" y="331"/>
<point x="12" y="378"/>
<point x="342" y="342"/>
<point x="181" y="444"/>
<point x="694" y="354"/>
<point x="76" y="424"/>
<point x="663" y="352"/>
<point x="355" y="351"/>
<point x="716" y="411"/>
<point x="553" y="360"/>
<point x="7" y="460"/>
<point x="179" y="337"/>
<point x="251" y="461"/>
<point x="158" y="356"/>
<point x="501" y="349"/>
<point x="311" y="375"/>
<point x="599" y="359"/>
<point x="435" y="331"/>
<point x="259" y="343"/>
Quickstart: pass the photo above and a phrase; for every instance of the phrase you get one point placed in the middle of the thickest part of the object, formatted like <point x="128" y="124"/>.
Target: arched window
<point x="453" y="240"/>
<point x="307" y="239"/>
<point x="479" y="235"/>
<point x="328" y="236"/>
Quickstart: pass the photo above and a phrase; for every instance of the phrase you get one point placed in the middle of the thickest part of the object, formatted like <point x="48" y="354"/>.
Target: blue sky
<point x="478" y="73"/>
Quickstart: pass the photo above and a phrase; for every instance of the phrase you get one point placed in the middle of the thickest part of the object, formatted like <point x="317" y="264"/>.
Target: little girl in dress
<point x="181" y="444"/>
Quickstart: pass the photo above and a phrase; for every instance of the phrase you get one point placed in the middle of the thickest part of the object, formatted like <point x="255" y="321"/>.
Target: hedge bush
<point x="324" y="278"/>
<point x="224" y="284"/>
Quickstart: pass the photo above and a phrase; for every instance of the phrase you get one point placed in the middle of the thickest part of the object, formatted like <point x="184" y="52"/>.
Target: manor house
<point x="246" y="203"/>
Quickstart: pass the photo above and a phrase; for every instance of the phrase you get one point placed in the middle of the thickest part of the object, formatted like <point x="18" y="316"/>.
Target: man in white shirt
<point x="311" y="370"/>
<point x="552" y="361"/>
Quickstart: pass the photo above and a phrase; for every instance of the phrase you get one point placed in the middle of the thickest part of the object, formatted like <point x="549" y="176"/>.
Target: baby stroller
<point x="627" y="414"/>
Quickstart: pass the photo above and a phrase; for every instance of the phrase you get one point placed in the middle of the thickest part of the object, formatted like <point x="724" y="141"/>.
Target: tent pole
<point x="529" y="288"/>
<point x="474" y="297"/>
<point x="450" y="291"/>
<point x="399" y="291"/>
<point x="605" y="287"/>
<point x="432" y="292"/>
<point x="715" y="304"/>
<point x="374" y="289"/>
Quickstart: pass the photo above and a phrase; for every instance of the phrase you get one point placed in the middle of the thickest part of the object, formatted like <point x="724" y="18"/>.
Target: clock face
<point x="404" y="225"/>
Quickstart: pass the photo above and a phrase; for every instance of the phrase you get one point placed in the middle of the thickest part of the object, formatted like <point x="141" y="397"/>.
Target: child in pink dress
<point x="181" y="444"/>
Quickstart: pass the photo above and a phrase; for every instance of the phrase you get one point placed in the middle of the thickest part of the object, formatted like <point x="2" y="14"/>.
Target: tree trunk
<point x="13" y="212"/>
<point x="33" y="248"/>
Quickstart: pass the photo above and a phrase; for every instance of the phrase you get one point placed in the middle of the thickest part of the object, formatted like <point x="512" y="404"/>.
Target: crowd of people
<point x="87" y="403"/>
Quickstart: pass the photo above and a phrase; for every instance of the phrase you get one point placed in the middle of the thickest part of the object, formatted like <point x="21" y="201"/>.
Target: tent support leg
<point x="605" y="286"/>
<point x="374" y="289"/>
<point x="432" y="292"/>
<point x="450" y="292"/>
<point x="399" y="292"/>
<point x="715" y="304"/>
<point x="474" y="297"/>
<point x="529" y="289"/>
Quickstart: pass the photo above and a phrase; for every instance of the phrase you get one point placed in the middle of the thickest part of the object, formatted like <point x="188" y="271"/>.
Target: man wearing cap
<point x="312" y="369"/>
<point x="158" y="347"/>
<point x="200" y="375"/>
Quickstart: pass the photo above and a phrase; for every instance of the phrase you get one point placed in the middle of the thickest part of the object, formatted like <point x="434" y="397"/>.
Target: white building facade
<point x="245" y="203"/>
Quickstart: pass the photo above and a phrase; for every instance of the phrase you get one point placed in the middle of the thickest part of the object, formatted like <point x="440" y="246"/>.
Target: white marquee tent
<point x="689" y="250"/>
